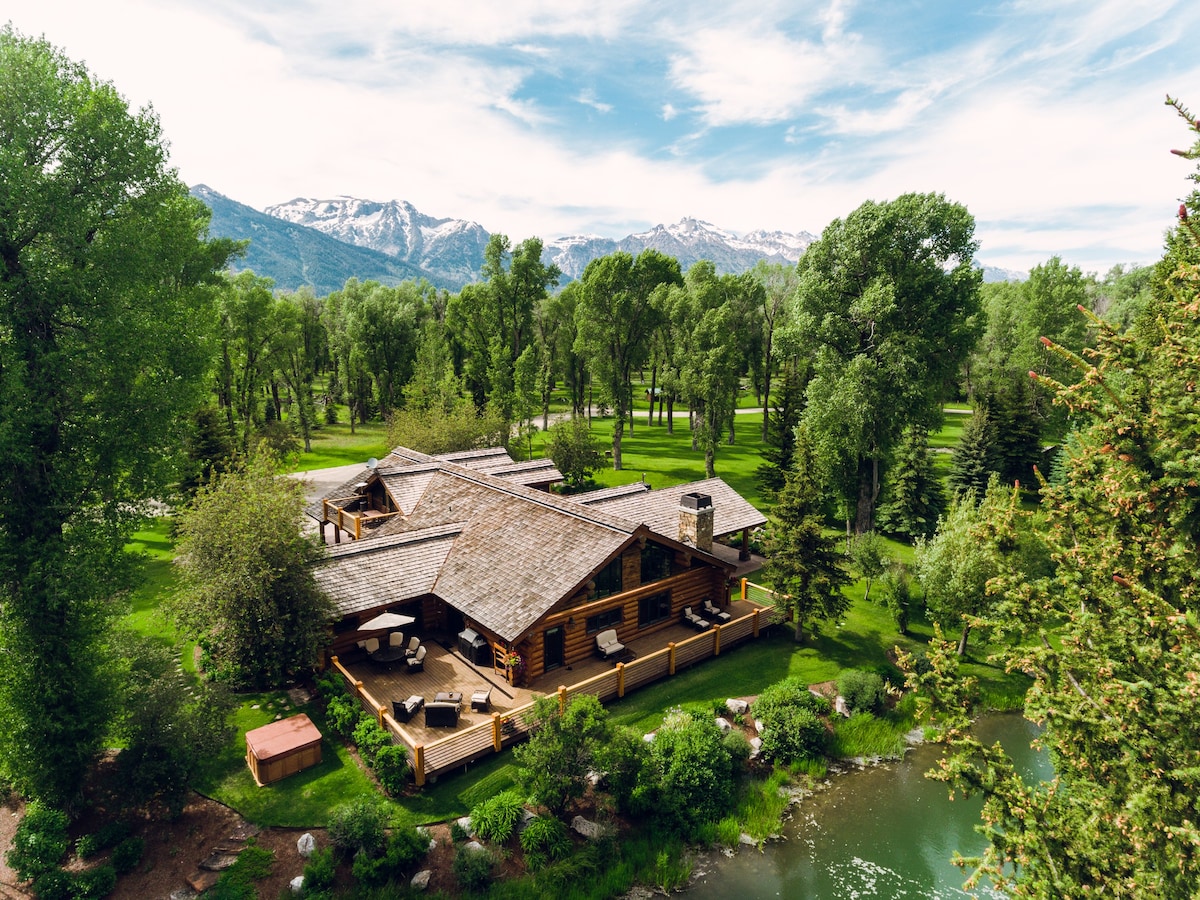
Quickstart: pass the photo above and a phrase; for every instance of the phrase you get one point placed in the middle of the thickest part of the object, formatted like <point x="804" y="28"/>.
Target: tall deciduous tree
<point x="779" y="284"/>
<point x="616" y="317"/>
<point x="248" y="594"/>
<point x="887" y="301"/>
<point x="105" y="335"/>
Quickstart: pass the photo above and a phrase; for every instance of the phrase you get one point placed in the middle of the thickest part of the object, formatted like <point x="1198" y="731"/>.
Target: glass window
<point x="610" y="618"/>
<point x="655" y="608"/>
<point x="656" y="563"/>
<point x="608" y="580"/>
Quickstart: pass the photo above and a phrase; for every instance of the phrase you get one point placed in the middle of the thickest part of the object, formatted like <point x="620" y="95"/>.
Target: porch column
<point x="744" y="550"/>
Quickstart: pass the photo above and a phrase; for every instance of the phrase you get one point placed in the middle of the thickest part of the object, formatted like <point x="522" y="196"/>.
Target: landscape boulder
<point x="306" y="845"/>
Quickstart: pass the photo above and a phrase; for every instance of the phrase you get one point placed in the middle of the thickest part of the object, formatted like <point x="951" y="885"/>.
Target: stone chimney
<point x="696" y="520"/>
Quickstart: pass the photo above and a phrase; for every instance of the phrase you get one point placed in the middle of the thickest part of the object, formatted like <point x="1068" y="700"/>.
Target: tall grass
<point x="865" y="735"/>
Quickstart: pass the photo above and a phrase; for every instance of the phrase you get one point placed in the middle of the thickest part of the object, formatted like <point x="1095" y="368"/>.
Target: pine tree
<point x="806" y="567"/>
<point x="780" y="443"/>
<point x="972" y="463"/>
<point x="913" y="496"/>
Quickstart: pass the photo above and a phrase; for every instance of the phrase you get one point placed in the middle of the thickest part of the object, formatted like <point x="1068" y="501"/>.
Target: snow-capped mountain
<point x="453" y="248"/>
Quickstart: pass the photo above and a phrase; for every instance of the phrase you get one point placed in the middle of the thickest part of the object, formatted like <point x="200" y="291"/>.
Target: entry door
<point x="553" y="650"/>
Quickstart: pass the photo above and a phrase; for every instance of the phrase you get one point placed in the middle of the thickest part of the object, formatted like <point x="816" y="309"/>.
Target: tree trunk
<point x="798" y="631"/>
<point x="962" y="640"/>
<point x="618" y="433"/>
<point x="671" y="414"/>
<point x="868" y="491"/>
<point x="653" y="387"/>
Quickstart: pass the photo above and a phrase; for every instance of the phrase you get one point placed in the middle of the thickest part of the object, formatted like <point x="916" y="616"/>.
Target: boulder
<point x="588" y="829"/>
<point x="723" y="724"/>
<point x="297" y="884"/>
<point x="306" y="845"/>
<point x="737" y="707"/>
<point x="755" y="747"/>
<point x="420" y="881"/>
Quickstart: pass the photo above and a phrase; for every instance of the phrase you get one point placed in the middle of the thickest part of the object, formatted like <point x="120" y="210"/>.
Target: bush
<point x="791" y="692"/>
<point x="496" y="817"/>
<point x="544" y="840"/>
<point x="458" y="834"/>
<point x="127" y="854"/>
<point x="331" y="684"/>
<point x="95" y="883"/>
<point x="342" y="714"/>
<point x="320" y="872"/>
<point x="358" y="826"/>
<point x="370" y="739"/>
<point x="736" y="746"/>
<point x="862" y="691"/>
<point x="391" y="768"/>
<point x="472" y="868"/>
<point x="792" y="733"/>
<point x="106" y="836"/>
<point x="54" y="884"/>
<point x="687" y="779"/>
<point x="40" y="841"/>
<point x="404" y="847"/>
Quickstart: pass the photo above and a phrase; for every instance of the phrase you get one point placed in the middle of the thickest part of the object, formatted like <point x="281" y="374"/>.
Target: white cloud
<point x="588" y="98"/>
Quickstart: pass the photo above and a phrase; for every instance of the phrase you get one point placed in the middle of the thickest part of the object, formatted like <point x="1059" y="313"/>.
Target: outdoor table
<point x="449" y="697"/>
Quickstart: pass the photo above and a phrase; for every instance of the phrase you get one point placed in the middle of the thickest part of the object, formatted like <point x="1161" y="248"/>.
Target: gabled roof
<point x="498" y="551"/>
<point x="659" y="508"/>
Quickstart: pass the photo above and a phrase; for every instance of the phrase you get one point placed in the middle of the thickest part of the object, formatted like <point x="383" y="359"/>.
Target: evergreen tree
<point x="913" y="496"/>
<point x="972" y="463"/>
<point x="1015" y="434"/>
<point x="780" y="442"/>
<point x="805" y="566"/>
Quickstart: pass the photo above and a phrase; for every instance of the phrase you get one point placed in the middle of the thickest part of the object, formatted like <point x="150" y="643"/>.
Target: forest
<point x="133" y="368"/>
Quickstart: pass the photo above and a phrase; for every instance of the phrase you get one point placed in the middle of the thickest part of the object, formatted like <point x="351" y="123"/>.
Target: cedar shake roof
<point x="602" y="494"/>
<point x="500" y="552"/>
<point x="363" y="575"/>
<point x="659" y="508"/>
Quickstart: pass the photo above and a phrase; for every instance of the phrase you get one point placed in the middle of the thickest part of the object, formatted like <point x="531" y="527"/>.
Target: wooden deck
<point x="440" y="749"/>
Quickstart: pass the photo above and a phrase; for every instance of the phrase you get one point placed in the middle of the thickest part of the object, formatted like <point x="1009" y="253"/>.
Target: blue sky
<point x="1045" y="118"/>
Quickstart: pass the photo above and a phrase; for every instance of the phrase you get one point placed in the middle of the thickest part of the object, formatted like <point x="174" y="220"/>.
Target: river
<point x="886" y="832"/>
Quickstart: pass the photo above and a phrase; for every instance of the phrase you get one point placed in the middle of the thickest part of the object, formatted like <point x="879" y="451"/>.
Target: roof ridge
<point x="397" y="539"/>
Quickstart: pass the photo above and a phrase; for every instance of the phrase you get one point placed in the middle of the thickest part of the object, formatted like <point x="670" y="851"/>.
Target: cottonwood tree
<point x="105" y="336"/>
<point x="248" y="595"/>
<point x="779" y="284"/>
<point x="887" y="302"/>
<point x="1111" y="641"/>
<point x="616" y="315"/>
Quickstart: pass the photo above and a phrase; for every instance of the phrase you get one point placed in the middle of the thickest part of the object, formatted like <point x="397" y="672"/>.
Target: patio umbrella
<point x="386" y="620"/>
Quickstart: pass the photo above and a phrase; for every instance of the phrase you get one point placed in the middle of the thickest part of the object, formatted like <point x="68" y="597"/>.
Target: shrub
<point x="862" y="691"/>
<point x="496" y="817"/>
<point x="791" y="692"/>
<point x="391" y="768"/>
<point x="54" y="884"/>
<point x="106" y="836"/>
<point x="688" y="776"/>
<point x="404" y="847"/>
<point x="94" y="883"/>
<point x="40" y="841"/>
<point x="342" y="714"/>
<point x="545" y="839"/>
<point x="472" y="868"/>
<point x="792" y="733"/>
<point x="370" y="739"/>
<point x="736" y="746"/>
<point x="320" y="872"/>
<point x="358" y="826"/>
<point x="127" y="854"/>
<point x="331" y="684"/>
<point x="458" y="834"/>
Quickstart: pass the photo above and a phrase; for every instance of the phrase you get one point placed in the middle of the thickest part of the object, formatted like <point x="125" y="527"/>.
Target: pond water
<point x="886" y="832"/>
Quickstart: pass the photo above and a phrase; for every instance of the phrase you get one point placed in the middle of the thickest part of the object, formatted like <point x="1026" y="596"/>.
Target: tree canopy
<point x="887" y="303"/>
<point x="105" y="335"/>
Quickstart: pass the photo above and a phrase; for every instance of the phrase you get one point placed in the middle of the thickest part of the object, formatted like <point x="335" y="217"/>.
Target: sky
<point x="1045" y="118"/>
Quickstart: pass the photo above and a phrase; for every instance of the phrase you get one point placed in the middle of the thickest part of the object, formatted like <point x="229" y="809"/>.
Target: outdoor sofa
<point x="607" y="644"/>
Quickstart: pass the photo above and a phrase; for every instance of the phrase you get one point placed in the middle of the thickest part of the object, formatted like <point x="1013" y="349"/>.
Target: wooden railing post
<point x="744" y="582"/>
<point x="620" y="679"/>
<point x="756" y="611"/>
<point x="716" y="639"/>
<point x="419" y="764"/>
<point x="380" y="713"/>
<point x="496" y="740"/>
<point x="562" y="699"/>
<point x="671" y="658"/>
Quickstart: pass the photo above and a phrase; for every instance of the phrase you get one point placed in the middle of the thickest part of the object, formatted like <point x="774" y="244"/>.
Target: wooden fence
<point x="503" y="730"/>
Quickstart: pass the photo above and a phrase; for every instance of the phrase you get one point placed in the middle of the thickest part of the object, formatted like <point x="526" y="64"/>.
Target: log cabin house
<point x="478" y="551"/>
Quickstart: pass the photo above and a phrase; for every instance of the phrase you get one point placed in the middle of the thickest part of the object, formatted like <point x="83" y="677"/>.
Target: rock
<point x="737" y="707"/>
<point x="465" y="824"/>
<point x="183" y="893"/>
<point x="755" y="747"/>
<point x="306" y="845"/>
<point x="420" y="881"/>
<point x="758" y="725"/>
<point x="648" y="737"/>
<point x="590" y="830"/>
<point x="219" y="862"/>
<point x="297" y="884"/>
<point x="474" y="845"/>
<point x="202" y="881"/>
<point x="744" y="838"/>
<point x="424" y="832"/>
<point x="723" y="724"/>
<point x="840" y="707"/>
<point x="527" y="816"/>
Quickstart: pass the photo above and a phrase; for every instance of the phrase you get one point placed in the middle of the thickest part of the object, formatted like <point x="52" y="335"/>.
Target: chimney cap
<point x="695" y="500"/>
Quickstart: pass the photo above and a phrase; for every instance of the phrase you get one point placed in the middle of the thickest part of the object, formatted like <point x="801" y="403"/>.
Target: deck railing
<point x="503" y="730"/>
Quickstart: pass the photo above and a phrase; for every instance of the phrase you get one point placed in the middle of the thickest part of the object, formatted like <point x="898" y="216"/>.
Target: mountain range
<point x="322" y="243"/>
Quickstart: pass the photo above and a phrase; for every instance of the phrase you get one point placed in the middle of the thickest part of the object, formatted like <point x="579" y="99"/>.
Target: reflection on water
<point x="882" y="833"/>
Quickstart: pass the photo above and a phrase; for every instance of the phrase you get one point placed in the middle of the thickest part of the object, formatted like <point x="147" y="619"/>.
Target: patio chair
<point x="607" y="644"/>
<point x="712" y="612"/>
<point x="416" y="663"/>
<point x="441" y="714"/>
<point x="371" y="645"/>
<point x="690" y="618"/>
<point x="413" y="644"/>
<point x="396" y="639"/>
<point x="403" y="710"/>
<point x="481" y="701"/>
